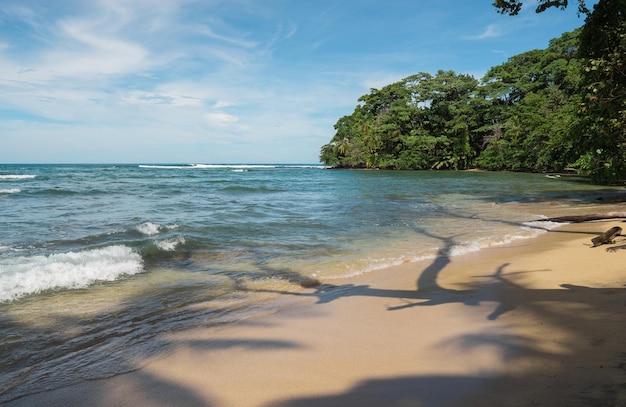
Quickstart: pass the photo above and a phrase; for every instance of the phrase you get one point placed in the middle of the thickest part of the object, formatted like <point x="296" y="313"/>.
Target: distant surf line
<point x="229" y="166"/>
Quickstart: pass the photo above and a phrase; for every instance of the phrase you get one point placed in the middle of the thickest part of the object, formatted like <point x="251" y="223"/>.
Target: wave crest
<point x="13" y="177"/>
<point x="21" y="276"/>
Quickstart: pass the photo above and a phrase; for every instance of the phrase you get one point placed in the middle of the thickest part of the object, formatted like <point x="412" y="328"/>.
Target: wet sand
<point x="537" y="322"/>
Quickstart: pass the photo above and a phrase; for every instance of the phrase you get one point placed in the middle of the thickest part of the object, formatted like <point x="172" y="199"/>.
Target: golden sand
<point x="540" y="322"/>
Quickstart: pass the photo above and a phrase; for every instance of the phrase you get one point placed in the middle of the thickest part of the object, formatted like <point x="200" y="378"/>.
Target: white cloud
<point x="86" y="49"/>
<point x="220" y="118"/>
<point x="221" y="103"/>
<point x="18" y="12"/>
<point x="160" y="98"/>
<point x="491" y="31"/>
<point x="210" y="33"/>
<point x="164" y="80"/>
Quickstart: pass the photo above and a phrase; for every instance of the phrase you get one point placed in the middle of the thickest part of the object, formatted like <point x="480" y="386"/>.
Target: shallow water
<point x="97" y="262"/>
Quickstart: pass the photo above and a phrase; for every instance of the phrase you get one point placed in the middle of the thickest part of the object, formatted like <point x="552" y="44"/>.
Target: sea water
<point x="99" y="262"/>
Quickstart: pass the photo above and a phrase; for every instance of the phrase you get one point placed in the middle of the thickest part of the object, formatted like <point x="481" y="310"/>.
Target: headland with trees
<point x="550" y="110"/>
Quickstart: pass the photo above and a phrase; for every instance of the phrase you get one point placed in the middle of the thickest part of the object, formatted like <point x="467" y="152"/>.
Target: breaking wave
<point x="21" y="276"/>
<point x="14" y="177"/>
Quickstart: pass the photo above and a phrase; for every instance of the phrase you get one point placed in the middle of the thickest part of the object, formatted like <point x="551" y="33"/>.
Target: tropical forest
<point x="558" y="109"/>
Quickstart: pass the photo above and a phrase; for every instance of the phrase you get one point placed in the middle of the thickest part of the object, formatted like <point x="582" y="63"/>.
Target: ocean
<point x="98" y="263"/>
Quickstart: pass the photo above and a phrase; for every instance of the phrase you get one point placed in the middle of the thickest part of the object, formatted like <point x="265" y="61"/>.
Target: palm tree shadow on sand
<point x="591" y="332"/>
<point x="589" y="339"/>
<point x="496" y="287"/>
<point x="428" y="290"/>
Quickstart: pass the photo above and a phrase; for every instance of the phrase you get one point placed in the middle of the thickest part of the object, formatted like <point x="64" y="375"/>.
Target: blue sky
<point x="232" y="81"/>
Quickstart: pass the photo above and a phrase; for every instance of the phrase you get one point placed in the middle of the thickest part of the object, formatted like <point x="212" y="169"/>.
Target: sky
<point x="227" y="81"/>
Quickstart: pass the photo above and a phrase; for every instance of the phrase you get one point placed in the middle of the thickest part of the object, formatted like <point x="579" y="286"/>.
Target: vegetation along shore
<point x="547" y="110"/>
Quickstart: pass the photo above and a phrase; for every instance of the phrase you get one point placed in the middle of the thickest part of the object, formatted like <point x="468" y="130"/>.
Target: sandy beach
<point x="539" y="322"/>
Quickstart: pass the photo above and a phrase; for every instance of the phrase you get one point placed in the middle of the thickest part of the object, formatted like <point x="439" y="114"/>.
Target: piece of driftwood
<point x="586" y="218"/>
<point x="606" y="237"/>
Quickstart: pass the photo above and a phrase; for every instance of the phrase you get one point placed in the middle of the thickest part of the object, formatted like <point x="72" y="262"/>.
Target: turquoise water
<point x="99" y="262"/>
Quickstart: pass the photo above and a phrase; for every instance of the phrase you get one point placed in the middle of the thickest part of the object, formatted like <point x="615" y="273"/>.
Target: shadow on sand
<point x="591" y="361"/>
<point x="593" y="339"/>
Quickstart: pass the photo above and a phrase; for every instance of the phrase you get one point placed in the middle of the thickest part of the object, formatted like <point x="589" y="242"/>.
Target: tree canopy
<point x="507" y="121"/>
<point x="513" y="7"/>
<point x="542" y="110"/>
<point x="601" y="134"/>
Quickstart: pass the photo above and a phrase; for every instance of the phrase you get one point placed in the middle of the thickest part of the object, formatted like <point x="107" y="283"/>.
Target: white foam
<point x="10" y="248"/>
<point x="484" y="243"/>
<point x="233" y="166"/>
<point x="20" y="276"/>
<point x="166" y="167"/>
<point x="257" y="166"/>
<point x="10" y="191"/>
<point x="170" y="244"/>
<point x="543" y="224"/>
<point x="528" y="230"/>
<point x="230" y="166"/>
<point x="149" y="228"/>
<point x="11" y="177"/>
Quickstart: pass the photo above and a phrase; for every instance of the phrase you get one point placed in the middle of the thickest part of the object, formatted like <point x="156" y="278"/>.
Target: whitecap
<point x="13" y="177"/>
<point x="10" y="191"/>
<point x="21" y="276"/>
<point x="170" y="245"/>
<point x="234" y="166"/>
<point x="165" y="167"/>
<point x="149" y="228"/>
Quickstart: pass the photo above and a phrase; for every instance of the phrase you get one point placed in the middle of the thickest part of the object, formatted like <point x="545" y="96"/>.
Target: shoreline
<point x="534" y="322"/>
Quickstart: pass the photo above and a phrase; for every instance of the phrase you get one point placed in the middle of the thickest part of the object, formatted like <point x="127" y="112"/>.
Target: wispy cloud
<point x="86" y="51"/>
<point x="214" y="80"/>
<point x="491" y="31"/>
<point x="210" y="33"/>
<point x="220" y="118"/>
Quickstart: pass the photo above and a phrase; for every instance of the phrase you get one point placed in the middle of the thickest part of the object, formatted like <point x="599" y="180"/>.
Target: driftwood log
<point x="586" y="218"/>
<point x="606" y="237"/>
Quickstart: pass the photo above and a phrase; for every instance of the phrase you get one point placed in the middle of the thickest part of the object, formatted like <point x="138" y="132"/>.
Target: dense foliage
<point x="542" y="110"/>
<point x="517" y="118"/>
<point x="601" y="134"/>
<point x="513" y="7"/>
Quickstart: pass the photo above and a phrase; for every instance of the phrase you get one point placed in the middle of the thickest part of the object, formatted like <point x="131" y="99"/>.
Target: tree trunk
<point x="606" y="237"/>
<point x="586" y="218"/>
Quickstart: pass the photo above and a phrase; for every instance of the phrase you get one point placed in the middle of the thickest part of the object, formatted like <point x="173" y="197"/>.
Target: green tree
<point x="520" y="117"/>
<point x="513" y="7"/>
<point x="422" y="121"/>
<point x="600" y="136"/>
<point x="533" y="97"/>
<point x="602" y="130"/>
